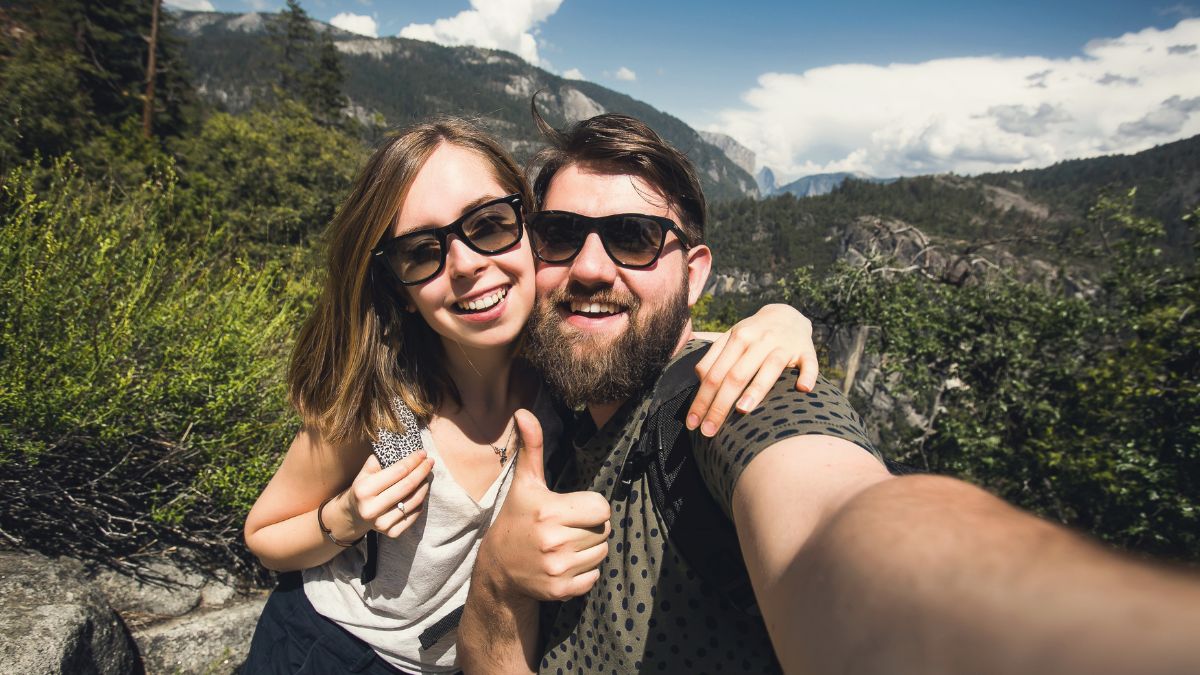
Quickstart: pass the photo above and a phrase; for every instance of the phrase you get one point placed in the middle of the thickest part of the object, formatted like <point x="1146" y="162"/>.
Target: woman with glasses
<point x="406" y="377"/>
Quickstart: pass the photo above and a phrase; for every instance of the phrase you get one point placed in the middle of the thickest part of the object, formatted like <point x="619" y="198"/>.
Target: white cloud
<point x="625" y="74"/>
<point x="496" y="24"/>
<point x="574" y="74"/>
<point x="191" y="5"/>
<point x="1166" y="120"/>
<point x="970" y="115"/>
<point x="356" y="23"/>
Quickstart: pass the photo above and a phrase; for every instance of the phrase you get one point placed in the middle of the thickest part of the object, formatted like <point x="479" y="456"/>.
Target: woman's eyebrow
<point x="477" y="202"/>
<point x="473" y="204"/>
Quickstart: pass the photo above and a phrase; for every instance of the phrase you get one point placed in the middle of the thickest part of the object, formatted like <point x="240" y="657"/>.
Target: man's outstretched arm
<point x="922" y="574"/>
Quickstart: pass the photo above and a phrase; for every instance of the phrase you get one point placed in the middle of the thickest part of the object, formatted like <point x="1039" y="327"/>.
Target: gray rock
<point x="165" y="589"/>
<point x="52" y="620"/>
<point x="736" y="152"/>
<point x="218" y="591"/>
<point x="737" y="281"/>
<point x="205" y="641"/>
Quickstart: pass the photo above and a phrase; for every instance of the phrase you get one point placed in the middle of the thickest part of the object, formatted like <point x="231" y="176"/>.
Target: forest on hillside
<point x="156" y="261"/>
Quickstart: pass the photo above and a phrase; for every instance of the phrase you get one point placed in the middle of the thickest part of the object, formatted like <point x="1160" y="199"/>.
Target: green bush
<point x="1079" y="407"/>
<point x="267" y="178"/>
<point x="141" y="379"/>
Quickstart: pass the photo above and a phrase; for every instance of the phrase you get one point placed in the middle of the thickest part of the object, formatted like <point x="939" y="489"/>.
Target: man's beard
<point x="582" y="368"/>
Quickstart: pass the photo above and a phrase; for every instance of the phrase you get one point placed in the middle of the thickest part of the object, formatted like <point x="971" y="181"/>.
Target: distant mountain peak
<point x="824" y="183"/>
<point x="736" y="152"/>
<point x="393" y="81"/>
<point x="766" y="181"/>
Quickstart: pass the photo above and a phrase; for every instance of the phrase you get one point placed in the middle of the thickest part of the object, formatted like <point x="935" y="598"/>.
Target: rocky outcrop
<point x="207" y="640"/>
<point x="877" y="395"/>
<point x="164" y="589"/>
<point x="736" y="152"/>
<point x="52" y="620"/>
<point x="577" y="106"/>
<point x="171" y="618"/>
<point x="737" y="281"/>
<point x="904" y="249"/>
<point x="765" y="180"/>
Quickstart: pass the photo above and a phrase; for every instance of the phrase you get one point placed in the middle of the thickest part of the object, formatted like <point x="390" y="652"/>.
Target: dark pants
<point x="292" y="638"/>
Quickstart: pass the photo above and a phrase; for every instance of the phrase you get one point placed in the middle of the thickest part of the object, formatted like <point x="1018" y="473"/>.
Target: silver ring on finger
<point x="400" y="506"/>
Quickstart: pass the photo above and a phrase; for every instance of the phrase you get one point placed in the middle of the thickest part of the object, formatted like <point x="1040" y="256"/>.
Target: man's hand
<point x="545" y="545"/>
<point x="542" y="546"/>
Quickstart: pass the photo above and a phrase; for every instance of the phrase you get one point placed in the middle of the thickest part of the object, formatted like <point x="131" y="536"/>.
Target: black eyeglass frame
<point x="597" y="225"/>
<point x="379" y="254"/>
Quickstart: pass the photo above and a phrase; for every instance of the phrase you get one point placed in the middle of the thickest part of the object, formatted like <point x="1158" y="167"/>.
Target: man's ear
<point x="699" y="262"/>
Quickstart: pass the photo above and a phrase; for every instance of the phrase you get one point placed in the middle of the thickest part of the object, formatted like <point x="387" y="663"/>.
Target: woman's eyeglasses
<point x="488" y="229"/>
<point x="632" y="240"/>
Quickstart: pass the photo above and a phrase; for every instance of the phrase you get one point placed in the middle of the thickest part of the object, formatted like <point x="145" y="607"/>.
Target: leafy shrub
<point x="1081" y="408"/>
<point x="141" y="380"/>
<point x="267" y="177"/>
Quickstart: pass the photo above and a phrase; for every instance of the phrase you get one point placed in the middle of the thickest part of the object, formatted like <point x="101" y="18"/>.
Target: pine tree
<point x="310" y="69"/>
<point x="324" y="84"/>
<point x="101" y="48"/>
<point x="293" y="38"/>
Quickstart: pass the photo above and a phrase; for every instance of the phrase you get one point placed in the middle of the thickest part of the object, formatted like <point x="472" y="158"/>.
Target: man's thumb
<point x="529" y="459"/>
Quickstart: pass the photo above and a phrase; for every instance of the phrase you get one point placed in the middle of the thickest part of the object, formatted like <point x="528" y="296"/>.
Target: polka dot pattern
<point x="784" y="413"/>
<point x="650" y="612"/>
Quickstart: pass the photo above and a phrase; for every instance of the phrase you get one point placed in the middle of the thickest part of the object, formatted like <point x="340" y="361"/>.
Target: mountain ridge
<point x="1016" y="220"/>
<point x="394" y="81"/>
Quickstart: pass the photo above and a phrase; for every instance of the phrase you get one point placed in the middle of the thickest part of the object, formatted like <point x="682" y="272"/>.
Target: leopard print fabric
<point x="393" y="447"/>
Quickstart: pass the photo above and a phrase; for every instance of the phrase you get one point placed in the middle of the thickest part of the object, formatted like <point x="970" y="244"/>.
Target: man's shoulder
<point x="786" y="412"/>
<point x="784" y="416"/>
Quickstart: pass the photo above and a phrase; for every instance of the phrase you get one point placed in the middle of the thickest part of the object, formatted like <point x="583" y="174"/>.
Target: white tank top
<point x="422" y="575"/>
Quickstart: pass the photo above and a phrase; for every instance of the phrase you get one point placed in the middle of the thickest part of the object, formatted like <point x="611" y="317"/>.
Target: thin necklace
<point x="500" y="450"/>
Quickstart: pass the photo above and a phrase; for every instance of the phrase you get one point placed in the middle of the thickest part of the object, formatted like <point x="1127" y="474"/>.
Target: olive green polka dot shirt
<point x="650" y="612"/>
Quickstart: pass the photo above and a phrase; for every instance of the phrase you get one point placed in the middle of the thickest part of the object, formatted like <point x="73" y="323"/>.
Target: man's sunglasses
<point x="488" y="229"/>
<point x="632" y="240"/>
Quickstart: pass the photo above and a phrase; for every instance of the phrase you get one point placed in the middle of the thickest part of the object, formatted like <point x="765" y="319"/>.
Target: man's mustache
<point x="576" y="292"/>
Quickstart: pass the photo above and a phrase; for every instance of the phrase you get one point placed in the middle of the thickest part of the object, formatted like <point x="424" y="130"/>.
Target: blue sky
<point x="796" y="82"/>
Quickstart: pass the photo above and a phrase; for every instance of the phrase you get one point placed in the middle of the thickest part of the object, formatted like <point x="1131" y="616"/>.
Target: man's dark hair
<point x="625" y="145"/>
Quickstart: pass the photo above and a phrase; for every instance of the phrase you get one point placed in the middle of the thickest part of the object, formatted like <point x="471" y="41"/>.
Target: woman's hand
<point x="386" y="500"/>
<point x="743" y="364"/>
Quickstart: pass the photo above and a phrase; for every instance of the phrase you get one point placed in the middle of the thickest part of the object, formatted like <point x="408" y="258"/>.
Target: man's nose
<point x="592" y="266"/>
<point x="462" y="260"/>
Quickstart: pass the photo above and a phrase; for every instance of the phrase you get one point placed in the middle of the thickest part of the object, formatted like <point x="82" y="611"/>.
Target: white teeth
<point x="484" y="302"/>
<point x="594" y="307"/>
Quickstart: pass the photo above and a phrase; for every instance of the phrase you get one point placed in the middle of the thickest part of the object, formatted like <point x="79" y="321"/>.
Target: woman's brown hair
<point x="360" y="350"/>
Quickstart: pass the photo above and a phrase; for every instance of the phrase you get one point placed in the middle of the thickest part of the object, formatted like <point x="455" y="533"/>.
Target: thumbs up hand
<point x="543" y="544"/>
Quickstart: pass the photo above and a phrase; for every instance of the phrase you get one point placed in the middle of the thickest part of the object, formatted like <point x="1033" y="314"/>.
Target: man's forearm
<point x="497" y="633"/>
<point x="927" y="574"/>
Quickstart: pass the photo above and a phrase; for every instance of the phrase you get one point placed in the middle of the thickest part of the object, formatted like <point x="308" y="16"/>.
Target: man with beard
<point x="853" y="570"/>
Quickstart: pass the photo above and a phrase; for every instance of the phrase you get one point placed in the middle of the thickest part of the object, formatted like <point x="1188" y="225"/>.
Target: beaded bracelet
<point x="329" y="533"/>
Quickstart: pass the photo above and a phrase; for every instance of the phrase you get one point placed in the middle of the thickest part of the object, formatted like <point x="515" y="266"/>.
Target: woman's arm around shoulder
<point x="743" y="363"/>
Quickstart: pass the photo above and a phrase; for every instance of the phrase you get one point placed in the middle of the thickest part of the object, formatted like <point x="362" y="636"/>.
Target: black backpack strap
<point x="694" y="523"/>
<point x="677" y="384"/>
<point x="440" y="628"/>
<point x="371" y="564"/>
<point x="557" y="434"/>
